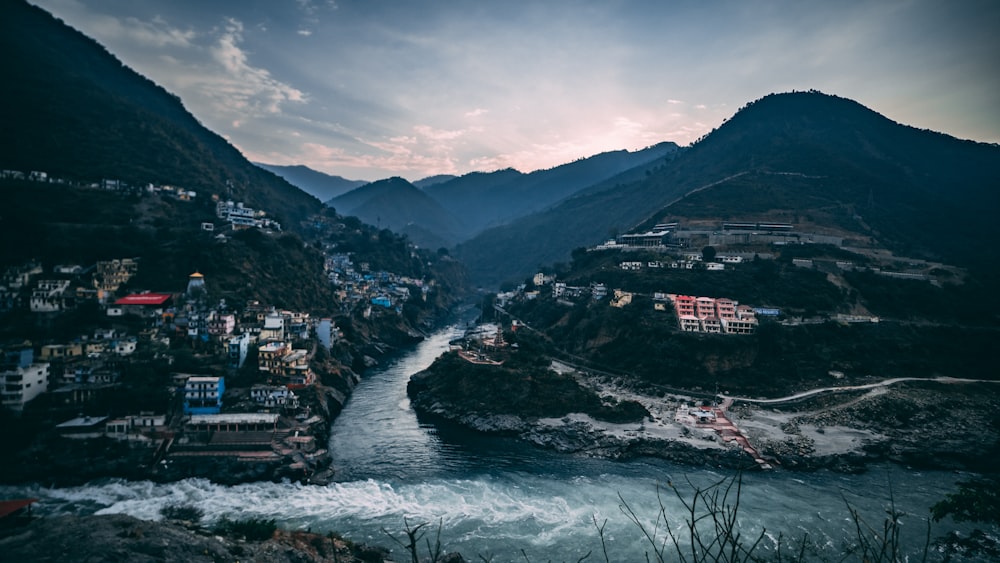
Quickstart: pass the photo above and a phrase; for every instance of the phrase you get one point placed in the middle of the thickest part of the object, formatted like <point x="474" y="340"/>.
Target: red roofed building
<point x="144" y="304"/>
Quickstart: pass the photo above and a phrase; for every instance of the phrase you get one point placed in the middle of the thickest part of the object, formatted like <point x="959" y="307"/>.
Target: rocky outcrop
<point x="124" y="538"/>
<point x="920" y="424"/>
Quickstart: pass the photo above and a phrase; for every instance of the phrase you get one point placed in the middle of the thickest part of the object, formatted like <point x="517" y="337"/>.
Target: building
<point x="203" y="394"/>
<point x="49" y="296"/>
<point x="716" y="316"/>
<point x="83" y="427"/>
<point x="273" y="396"/>
<point x="21" y="378"/>
<point x="274" y="327"/>
<point x="112" y="273"/>
<point x="269" y="356"/>
<point x="145" y="305"/>
<point x="650" y="239"/>
<point x="238" y="215"/>
<point x="221" y="324"/>
<point x="196" y="284"/>
<point x="22" y="384"/>
<point x="51" y="352"/>
<point x="238" y="348"/>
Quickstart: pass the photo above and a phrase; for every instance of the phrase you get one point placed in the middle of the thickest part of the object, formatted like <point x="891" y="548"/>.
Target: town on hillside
<point x="729" y="245"/>
<point x="242" y="376"/>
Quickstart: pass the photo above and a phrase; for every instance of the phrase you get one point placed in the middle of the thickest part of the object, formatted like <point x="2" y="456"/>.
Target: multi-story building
<point x="49" y="296"/>
<point x="203" y="394"/>
<point x="113" y="273"/>
<point x="21" y="378"/>
<point x="285" y="365"/>
<point x="221" y="324"/>
<point x="238" y="347"/>
<point x="705" y="314"/>
<point x="274" y="327"/>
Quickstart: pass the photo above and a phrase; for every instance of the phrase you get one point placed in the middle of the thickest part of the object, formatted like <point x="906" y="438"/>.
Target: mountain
<point x="807" y="158"/>
<point x="318" y="184"/>
<point x="400" y="206"/>
<point x="71" y="109"/>
<point x="431" y="180"/>
<point x="484" y="200"/>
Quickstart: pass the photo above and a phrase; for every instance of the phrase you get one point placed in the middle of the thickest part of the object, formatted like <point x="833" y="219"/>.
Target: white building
<point x="23" y="383"/>
<point x="49" y="296"/>
<point x="272" y="396"/>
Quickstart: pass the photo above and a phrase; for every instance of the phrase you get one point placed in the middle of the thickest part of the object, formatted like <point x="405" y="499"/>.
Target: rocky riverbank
<point x="927" y="425"/>
<point x="124" y="538"/>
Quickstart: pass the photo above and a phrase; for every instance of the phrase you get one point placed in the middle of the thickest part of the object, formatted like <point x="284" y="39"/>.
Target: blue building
<point x="203" y="395"/>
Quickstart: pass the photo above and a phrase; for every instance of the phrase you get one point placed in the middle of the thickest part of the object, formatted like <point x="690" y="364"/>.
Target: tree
<point x="708" y="253"/>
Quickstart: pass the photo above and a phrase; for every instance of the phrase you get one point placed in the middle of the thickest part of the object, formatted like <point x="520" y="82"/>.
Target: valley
<point x="802" y="300"/>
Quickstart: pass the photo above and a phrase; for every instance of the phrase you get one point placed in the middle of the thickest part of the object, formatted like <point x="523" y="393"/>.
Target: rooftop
<point x="144" y="299"/>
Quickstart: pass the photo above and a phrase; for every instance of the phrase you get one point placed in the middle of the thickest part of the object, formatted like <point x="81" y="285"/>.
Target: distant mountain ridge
<point x="468" y="204"/>
<point x="911" y="189"/>
<point x="483" y="201"/>
<point x="431" y="180"/>
<point x="71" y="109"/>
<point x="320" y="185"/>
<point x="398" y="205"/>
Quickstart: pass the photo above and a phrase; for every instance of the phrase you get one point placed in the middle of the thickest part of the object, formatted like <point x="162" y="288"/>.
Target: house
<point x="542" y="279"/>
<point x="49" y="296"/>
<point x="50" y="352"/>
<point x="221" y="324"/>
<point x="124" y="346"/>
<point x="135" y="427"/>
<point x="203" y="394"/>
<point x="21" y="378"/>
<point x="621" y="298"/>
<point x="238" y="347"/>
<point x="83" y="427"/>
<point x="598" y="291"/>
<point x="273" y="396"/>
<point x="274" y="327"/>
<point x="112" y="273"/>
<point x="269" y="356"/>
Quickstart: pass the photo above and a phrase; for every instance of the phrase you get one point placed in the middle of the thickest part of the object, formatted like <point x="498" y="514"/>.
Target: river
<point x="494" y="497"/>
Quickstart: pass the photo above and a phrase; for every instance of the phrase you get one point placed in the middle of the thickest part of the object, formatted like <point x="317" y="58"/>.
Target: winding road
<point x="885" y="383"/>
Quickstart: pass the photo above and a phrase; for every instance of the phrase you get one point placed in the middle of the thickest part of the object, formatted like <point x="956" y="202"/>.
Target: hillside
<point x="317" y="184"/>
<point x="781" y="158"/>
<point x="400" y="206"/>
<point x="73" y="110"/>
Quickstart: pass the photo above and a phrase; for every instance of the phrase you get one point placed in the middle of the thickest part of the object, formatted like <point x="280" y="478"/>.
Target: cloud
<point x="673" y="101"/>
<point x="476" y="112"/>
<point x="242" y="86"/>
<point x="396" y="155"/>
<point x="154" y="34"/>
<point x="438" y="134"/>
<point x="304" y="32"/>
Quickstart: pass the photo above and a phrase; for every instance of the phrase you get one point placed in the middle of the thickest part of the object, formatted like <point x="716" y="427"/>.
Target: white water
<point x="496" y="496"/>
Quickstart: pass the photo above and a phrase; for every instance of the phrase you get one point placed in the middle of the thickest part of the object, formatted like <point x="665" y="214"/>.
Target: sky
<point x="368" y="89"/>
